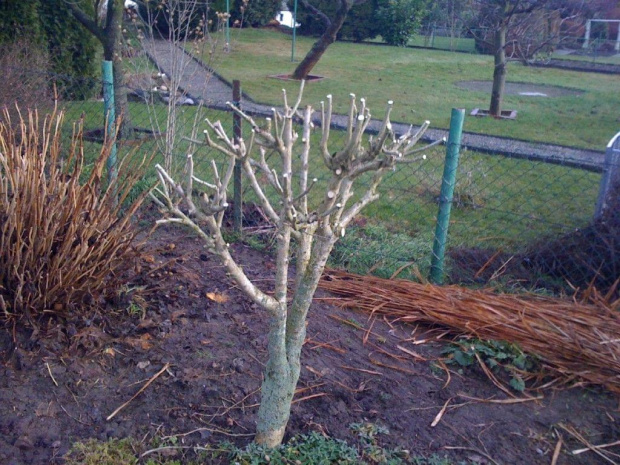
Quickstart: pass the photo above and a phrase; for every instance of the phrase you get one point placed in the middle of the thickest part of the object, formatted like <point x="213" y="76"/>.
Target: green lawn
<point x="422" y="83"/>
<point x="499" y="202"/>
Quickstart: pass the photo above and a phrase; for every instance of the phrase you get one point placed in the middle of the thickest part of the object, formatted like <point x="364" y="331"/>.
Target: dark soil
<point x="60" y="388"/>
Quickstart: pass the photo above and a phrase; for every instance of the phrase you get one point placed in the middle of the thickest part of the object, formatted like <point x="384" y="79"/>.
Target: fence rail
<point x="515" y="223"/>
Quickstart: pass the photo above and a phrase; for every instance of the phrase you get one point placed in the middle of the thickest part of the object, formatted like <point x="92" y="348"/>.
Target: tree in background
<point x="48" y="25"/>
<point x="501" y="18"/>
<point x="398" y="19"/>
<point x="332" y="25"/>
<point x="360" y="23"/>
<point x="107" y="27"/>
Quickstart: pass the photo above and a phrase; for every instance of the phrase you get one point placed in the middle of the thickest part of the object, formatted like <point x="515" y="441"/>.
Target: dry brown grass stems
<point x="575" y="340"/>
<point x="64" y="233"/>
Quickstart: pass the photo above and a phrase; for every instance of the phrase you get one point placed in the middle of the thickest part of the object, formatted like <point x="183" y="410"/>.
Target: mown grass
<point x="422" y="83"/>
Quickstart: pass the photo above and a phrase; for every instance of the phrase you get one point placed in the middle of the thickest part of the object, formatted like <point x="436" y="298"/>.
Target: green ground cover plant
<point x="423" y="83"/>
<point x="306" y="449"/>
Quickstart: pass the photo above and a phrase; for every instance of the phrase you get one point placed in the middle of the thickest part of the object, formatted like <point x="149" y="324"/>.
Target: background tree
<point x="107" y="29"/>
<point x="498" y="18"/>
<point x="397" y="20"/>
<point x="360" y="23"/>
<point x="284" y="198"/>
<point x="332" y="25"/>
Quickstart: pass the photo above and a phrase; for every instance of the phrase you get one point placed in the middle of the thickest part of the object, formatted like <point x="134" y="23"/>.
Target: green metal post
<point x="237" y="184"/>
<point x="110" y="116"/>
<point x="445" y="196"/>
<point x="227" y="25"/>
<point x="294" y="31"/>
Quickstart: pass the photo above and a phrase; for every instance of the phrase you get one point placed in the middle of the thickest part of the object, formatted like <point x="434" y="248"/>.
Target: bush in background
<point x="28" y="89"/>
<point x="52" y="31"/>
<point x="398" y="20"/>
<point x="62" y="241"/>
<point x="256" y="13"/>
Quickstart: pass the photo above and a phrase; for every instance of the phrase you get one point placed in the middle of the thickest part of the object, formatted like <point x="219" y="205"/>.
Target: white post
<point x="586" y="42"/>
<point x="617" y="46"/>
<point x="611" y="176"/>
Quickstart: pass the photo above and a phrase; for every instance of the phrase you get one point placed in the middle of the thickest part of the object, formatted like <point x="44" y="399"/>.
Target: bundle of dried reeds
<point x="575" y="340"/>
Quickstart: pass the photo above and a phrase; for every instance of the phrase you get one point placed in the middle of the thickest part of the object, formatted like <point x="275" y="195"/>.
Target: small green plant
<point x="93" y="452"/>
<point x="497" y="355"/>
<point x="372" y="452"/>
<point x="312" y="448"/>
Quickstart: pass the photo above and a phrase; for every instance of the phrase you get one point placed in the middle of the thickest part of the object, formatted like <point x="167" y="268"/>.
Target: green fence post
<point x="110" y="117"/>
<point x="237" y="184"/>
<point x="445" y="197"/>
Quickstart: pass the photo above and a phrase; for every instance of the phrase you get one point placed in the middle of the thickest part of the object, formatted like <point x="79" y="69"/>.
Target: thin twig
<point x="157" y="375"/>
<point x="473" y="449"/>
<point x="50" y="372"/>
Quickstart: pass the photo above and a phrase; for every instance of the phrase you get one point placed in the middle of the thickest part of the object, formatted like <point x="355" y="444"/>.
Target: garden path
<point x="200" y="82"/>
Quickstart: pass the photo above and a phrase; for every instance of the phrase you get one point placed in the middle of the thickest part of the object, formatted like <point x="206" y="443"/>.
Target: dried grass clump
<point x="61" y="240"/>
<point x="575" y="340"/>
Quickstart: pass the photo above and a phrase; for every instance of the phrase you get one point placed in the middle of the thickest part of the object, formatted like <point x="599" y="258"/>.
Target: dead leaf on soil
<point x="147" y="324"/>
<point x="215" y="297"/>
<point x="141" y="342"/>
<point x="109" y="351"/>
<point x="45" y="409"/>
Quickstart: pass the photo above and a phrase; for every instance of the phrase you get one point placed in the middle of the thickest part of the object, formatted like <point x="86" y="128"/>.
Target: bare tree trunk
<point x="109" y="34"/>
<point x="499" y="72"/>
<point x="320" y="46"/>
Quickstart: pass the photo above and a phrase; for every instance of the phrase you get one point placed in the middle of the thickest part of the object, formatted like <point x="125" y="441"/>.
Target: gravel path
<point x="197" y="75"/>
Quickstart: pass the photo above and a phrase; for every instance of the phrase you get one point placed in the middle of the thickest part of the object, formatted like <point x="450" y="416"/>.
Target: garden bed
<point x="62" y="387"/>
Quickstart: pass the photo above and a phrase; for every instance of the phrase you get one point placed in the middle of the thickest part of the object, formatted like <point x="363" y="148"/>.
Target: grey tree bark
<point x="499" y="71"/>
<point x="285" y="202"/>
<point x="108" y="30"/>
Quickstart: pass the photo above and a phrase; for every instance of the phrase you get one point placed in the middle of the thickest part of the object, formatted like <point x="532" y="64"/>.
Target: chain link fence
<point x="516" y="223"/>
<point x="598" y="49"/>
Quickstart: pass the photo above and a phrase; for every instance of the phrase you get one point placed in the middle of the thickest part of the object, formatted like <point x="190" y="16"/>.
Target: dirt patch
<point x="288" y="77"/>
<point x="522" y="89"/>
<point x="61" y="388"/>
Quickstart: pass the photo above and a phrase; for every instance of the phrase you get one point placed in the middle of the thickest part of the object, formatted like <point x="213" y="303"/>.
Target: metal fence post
<point x="237" y="184"/>
<point x="610" y="178"/>
<point x="445" y="196"/>
<point x="110" y="117"/>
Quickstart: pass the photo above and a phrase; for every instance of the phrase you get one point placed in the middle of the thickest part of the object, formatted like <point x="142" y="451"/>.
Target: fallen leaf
<point x="110" y="351"/>
<point x="177" y="314"/>
<point x="148" y="258"/>
<point x="215" y="297"/>
<point x="144" y="341"/>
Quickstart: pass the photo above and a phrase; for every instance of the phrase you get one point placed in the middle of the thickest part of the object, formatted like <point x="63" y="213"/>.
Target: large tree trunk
<point x="320" y="46"/>
<point x="499" y="73"/>
<point x="112" y="50"/>
<point x="109" y="34"/>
